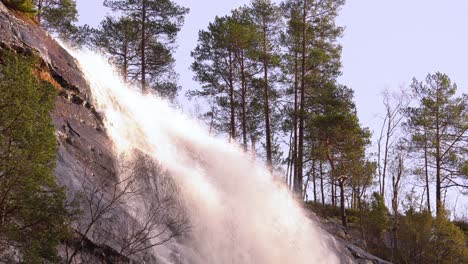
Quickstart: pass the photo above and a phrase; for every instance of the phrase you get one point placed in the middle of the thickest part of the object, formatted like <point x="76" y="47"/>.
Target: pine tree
<point x="338" y="135"/>
<point x="224" y="65"/>
<point x="316" y="60"/>
<point x="443" y="118"/>
<point x="266" y="16"/>
<point x="58" y="16"/>
<point x="158" y="21"/>
<point x="118" y="37"/>
<point x="242" y="36"/>
<point x="214" y="66"/>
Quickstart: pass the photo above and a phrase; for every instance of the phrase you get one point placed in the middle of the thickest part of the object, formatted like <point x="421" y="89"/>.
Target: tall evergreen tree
<point x="58" y="16"/>
<point x="339" y="137"/>
<point x="224" y="65"/>
<point x="158" y="21"/>
<point x="266" y="16"/>
<point x="118" y="37"/>
<point x="214" y="66"/>
<point x="291" y="40"/>
<point x="243" y="38"/>
<point x="443" y="117"/>
<point x="317" y="61"/>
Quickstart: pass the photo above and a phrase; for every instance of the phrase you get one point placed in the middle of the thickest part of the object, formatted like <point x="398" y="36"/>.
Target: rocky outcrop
<point x="343" y="244"/>
<point x="84" y="149"/>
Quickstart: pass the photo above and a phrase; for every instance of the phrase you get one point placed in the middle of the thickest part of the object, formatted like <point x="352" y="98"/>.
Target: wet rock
<point x="84" y="149"/>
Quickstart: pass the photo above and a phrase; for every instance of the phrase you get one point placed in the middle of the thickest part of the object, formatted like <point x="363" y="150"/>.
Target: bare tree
<point x="398" y="171"/>
<point x="164" y="217"/>
<point x="157" y="218"/>
<point x="394" y="104"/>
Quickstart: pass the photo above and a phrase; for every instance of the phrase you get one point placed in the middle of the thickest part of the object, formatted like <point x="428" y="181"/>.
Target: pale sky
<point x="386" y="43"/>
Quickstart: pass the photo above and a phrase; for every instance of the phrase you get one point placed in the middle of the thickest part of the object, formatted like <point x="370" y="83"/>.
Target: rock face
<point x="340" y="243"/>
<point x="85" y="151"/>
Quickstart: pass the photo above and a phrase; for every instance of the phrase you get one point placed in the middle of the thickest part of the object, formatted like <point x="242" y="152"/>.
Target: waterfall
<point x="238" y="212"/>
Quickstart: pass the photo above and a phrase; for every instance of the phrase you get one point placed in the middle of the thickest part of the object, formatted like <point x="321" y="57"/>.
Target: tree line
<point x="269" y="75"/>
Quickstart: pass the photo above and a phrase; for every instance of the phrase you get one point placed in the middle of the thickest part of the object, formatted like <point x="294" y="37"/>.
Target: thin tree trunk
<point x="302" y="105"/>
<point x="244" y="107"/>
<point x="344" y="220"/>
<point x="125" y="62"/>
<point x="379" y="153"/>
<point x="143" y="47"/>
<point x="396" y="186"/>
<point x="387" y="141"/>
<point x="361" y="227"/>
<point x="426" y="170"/>
<point x="267" y="103"/>
<point x="332" y="186"/>
<point x="341" y="182"/>
<point x="231" y="97"/>
<point x="314" y="180"/>
<point x="438" y="166"/>
<point x="290" y="161"/>
<point x="295" y="116"/>
<point x="321" y="183"/>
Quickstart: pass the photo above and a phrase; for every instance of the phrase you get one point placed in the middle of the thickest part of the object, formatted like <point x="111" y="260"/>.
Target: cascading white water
<point x="238" y="212"/>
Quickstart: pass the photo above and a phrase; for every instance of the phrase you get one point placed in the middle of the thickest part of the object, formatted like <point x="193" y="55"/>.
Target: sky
<point x="385" y="44"/>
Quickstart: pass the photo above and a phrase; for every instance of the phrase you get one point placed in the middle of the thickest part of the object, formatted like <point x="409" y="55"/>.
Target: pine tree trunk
<point x="231" y="97"/>
<point x="290" y="161"/>
<point x="295" y="117"/>
<point x="361" y="226"/>
<point x="314" y="178"/>
<point x="302" y="106"/>
<point x="426" y="170"/>
<point x="244" y="103"/>
<point x="267" y="104"/>
<point x="344" y="220"/>
<point x="438" y="157"/>
<point x="125" y="62"/>
<point x="321" y="183"/>
<point x="143" y="47"/>
<point x="332" y="189"/>
<point x="341" y="182"/>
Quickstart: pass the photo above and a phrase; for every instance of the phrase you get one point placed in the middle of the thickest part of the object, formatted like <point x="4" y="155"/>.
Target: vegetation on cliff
<point x="33" y="214"/>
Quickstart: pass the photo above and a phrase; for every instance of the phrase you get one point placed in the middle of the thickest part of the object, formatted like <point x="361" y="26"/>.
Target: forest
<point x="269" y="82"/>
